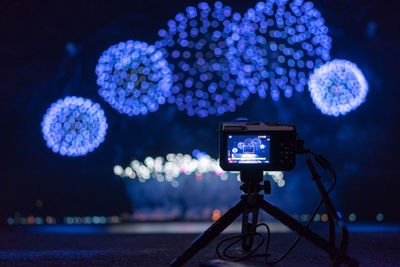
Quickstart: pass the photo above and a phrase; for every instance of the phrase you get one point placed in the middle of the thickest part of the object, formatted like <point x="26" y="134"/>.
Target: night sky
<point x="50" y="50"/>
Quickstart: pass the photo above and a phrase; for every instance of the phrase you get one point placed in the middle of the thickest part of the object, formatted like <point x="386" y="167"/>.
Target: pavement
<point x="62" y="245"/>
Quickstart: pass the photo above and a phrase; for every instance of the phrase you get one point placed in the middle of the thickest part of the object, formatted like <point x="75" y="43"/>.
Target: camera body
<point x="260" y="146"/>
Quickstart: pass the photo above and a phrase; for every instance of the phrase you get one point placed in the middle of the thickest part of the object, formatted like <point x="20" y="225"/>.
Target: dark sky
<point x="37" y="70"/>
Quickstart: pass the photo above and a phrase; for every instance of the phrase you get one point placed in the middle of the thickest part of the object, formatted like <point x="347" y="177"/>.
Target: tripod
<point x="249" y="205"/>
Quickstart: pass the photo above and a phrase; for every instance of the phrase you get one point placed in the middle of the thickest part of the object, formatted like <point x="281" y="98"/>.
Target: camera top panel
<point x="255" y="126"/>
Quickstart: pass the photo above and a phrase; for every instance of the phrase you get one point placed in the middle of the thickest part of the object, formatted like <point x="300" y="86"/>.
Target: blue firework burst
<point x="134" y="77"/>
<point x="337" y="87"/>
<point x="74" y="126"/>
<point x="275" y="45"/>
<point x="194" y="43"/>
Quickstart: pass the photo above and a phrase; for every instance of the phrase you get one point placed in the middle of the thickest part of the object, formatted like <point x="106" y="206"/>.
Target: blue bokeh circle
<point x="338" y="87"/>
<point x="274" y="46"/>
<point x="134" y="77"/>
<point x="194" y="43"/>
<point x="74" y="126"/>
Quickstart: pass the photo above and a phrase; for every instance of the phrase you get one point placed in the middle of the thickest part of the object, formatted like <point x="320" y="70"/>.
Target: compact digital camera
<point x="245" y="146"/>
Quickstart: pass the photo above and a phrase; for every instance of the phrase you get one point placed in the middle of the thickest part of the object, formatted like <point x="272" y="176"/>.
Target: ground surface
<point x="97" y="248"/>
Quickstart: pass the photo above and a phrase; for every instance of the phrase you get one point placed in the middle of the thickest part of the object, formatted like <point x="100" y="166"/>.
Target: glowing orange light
<point x="30" y="220"/>
<point x="199" y="176"/>
<point x="216" y="215"/>
<point x="115" y="219"/>
<point x="49" y="220"/>
<point x="324" y="217"/>
<point x="39" y="203"/>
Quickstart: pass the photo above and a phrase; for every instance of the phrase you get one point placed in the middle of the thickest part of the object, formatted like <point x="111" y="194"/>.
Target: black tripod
<point x="249" y="205"/>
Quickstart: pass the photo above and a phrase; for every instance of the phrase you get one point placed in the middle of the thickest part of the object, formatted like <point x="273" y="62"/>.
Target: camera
<point x="249" y="146"/>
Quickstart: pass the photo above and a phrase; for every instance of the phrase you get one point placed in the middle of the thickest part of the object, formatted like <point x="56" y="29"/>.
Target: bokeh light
<point x="171" y="167"/>
<point x="194" y="44"/>
<point x="338" y="87"/>
<point x="134" y="77"/>
<point x="275" y="45"/>
<point x="74" y="126"/>
<point x="182" y="186"/>
<point x="352" y="217"/>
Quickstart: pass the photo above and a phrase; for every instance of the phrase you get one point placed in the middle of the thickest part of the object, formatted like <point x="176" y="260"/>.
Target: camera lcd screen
<point x="248" y="149"/>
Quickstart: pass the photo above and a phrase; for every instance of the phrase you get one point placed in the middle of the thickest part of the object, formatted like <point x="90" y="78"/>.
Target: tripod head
<point x="252" y="182"/>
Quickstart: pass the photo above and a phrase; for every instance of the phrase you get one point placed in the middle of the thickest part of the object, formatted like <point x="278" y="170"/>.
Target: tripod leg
<point x="304" y="231"/>
<point x="247" y="242"/>
<point x="212" y="232"/>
